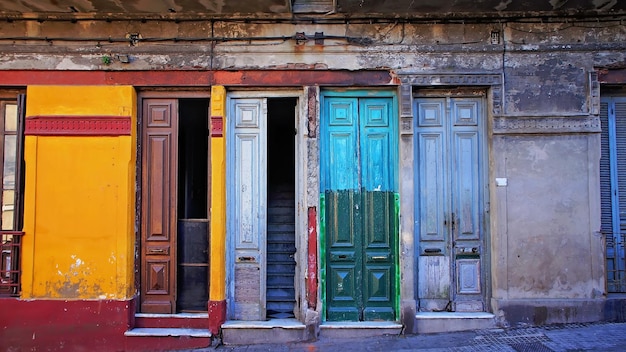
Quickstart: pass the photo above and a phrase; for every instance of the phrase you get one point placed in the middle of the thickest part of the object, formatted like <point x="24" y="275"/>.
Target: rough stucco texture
<point x="556" y="257"/>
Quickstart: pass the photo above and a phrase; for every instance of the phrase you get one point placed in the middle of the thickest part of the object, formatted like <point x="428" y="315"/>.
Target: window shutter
<point x="620" y="147"/>
<point x="613" y="189"/>
<point x="605" y="173"/>
<point x="20" y="165"/>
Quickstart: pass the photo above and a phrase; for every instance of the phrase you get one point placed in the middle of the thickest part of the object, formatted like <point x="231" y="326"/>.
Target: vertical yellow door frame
<point x="217" y="290"/>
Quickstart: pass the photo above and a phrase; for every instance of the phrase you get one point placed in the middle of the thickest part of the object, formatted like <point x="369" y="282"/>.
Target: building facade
<point x="307" y="168"/>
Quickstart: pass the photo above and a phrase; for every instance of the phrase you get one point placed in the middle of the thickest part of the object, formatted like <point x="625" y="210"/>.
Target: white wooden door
<point x="247" y="180"/>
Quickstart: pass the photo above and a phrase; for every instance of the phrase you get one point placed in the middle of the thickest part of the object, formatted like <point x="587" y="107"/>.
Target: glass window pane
<point x="10" y="118"/>
<point x="8" y="181"/>
<point x="8" y="198"/>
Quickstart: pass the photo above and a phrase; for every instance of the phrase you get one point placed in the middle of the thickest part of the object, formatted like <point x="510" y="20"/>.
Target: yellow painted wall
<point x="79" y="199"/>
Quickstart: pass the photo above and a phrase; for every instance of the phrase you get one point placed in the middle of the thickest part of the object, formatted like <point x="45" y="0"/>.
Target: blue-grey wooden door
<point x="449" y="203"/>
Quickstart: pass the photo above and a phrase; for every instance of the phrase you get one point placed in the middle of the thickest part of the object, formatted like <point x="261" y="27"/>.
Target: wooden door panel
<point x="466" y="199"/>
<point x="248" y="223"/>
<point x="158" y="169"/>
<point x="466" y="203"/>
<point x="344" y="258"/>
<point x="432" y="213"/>
<point x="159" y="165"/>
<point x="342" y="201"/>
<point x="449" y="203"/>
<point x="378" y="159"/>
<point x="358" y="158"/>
<point x="431" y="206"/>
<point x="158" y="277"/>
<point x="342" y="171"/>
<point x="379" y="255"/>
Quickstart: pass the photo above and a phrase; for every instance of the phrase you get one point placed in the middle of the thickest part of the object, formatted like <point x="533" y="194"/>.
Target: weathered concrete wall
<point x="546" y="254"/>
<point x="547" y="250"/>
<point x="525" y="53"/>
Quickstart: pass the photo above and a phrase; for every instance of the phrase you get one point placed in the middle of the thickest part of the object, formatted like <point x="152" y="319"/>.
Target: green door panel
<point x="359" y="186"/>
<point x="343" y="252"/>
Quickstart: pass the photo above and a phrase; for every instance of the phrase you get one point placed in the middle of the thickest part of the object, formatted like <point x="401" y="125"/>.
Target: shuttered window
<point x="11" y="199"/>
<point x="613" y="188"/>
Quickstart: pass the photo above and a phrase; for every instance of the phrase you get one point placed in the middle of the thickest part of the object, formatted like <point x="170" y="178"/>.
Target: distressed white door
<point x="247" y="191"/>
<point x="449" y="203"/>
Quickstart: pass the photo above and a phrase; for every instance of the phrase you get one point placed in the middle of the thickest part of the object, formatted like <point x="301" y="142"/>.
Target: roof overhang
<point x="320" y="9"/>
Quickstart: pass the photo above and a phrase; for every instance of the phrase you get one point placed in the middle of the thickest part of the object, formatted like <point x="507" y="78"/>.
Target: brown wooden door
<point x="158" y="199"/>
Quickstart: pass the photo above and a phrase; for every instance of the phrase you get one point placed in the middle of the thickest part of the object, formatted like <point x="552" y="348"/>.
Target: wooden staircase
<point x="281" y="266"/>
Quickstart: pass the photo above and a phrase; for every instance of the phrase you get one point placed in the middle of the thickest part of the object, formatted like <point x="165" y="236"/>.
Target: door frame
<point x="484" y="144"/>
<point x="158" y="93"/>
<point x="301" y="172"/>
<point x="362" y="92"/>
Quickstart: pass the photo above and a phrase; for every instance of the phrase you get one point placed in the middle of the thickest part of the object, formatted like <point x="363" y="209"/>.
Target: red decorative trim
<point x="612" y="76"/>
<point x="311" y="281"/>
<point x="173" y="78"/>
<point x="217" y="316"/>
<point x="78" y="126"/>
<point x="217" y="126"/>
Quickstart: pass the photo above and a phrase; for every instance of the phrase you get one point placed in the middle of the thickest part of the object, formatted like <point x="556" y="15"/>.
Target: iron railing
<point x="10" y="250"/>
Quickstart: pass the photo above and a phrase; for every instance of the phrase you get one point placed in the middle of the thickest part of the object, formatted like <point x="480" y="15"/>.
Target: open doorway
<point x="262" y="211"/>
<point x="193" y="193"/>
<point x="281" y="266"/>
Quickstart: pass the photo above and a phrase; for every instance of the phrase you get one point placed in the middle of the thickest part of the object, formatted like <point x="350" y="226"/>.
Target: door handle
<point x="157" y="250"/>
<point x="379" y="257"/>
<point x="453" y="221"/>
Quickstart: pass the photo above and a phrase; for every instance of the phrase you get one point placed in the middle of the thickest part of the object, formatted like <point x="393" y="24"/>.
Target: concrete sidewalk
<point x="562" y="338"/>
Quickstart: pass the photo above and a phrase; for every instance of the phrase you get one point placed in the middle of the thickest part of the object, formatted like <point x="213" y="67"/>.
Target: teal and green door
<point x="359" y="206"/>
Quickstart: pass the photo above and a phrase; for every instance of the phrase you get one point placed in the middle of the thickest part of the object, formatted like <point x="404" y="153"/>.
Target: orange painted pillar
<point x="217" y="289"/>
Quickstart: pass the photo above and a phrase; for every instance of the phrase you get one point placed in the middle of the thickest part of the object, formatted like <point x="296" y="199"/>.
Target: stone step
<point x="280" y="294"/>
<point x="275" y="195"/>
<point x="280" y="245"/>
<point x="180" y="320"/>
<point x="176" y="332"/>
<point x="345" y="329"/>
<point x="434" y="322"/>
<point x="278" y="217"/>
<point x="280" y="279"/>
<point x="281" y="202"/>
<point x="280" y="228"/>
<point x="280" y="235"/>
<point x="279" y="256"/>
<point x="257" y="332"/>
<point x="281" y="268"/>
<point x="166" y="339"/>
